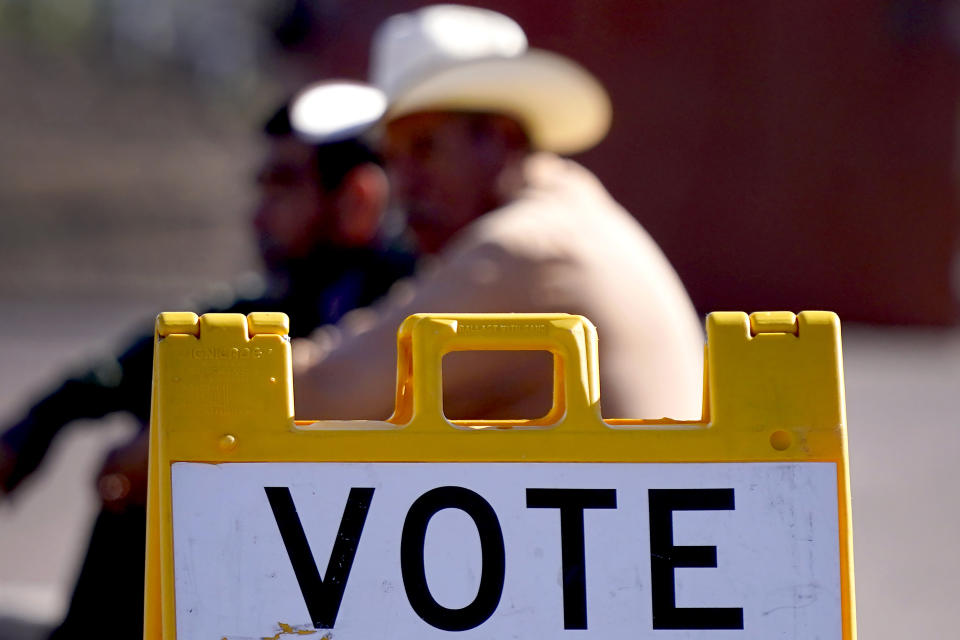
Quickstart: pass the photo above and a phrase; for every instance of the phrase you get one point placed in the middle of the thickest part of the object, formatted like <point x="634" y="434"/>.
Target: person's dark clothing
<point x="109" y="591"/>
<point x="317" y="291"/>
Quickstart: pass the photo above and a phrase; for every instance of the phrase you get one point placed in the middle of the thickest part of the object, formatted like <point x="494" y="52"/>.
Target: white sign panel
<point x="575" y="550"/>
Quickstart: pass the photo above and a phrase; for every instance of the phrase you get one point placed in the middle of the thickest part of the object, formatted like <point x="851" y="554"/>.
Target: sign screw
<point x="781" y="440"/>
<point x="228" y="442"/>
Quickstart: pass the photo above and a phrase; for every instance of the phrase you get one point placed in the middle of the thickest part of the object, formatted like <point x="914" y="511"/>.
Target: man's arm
<point x="113" y="384"/>
<point x="356" y="378"/>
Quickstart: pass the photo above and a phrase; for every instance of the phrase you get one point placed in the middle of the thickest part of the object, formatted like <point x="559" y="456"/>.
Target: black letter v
<point x="322" y="595"/>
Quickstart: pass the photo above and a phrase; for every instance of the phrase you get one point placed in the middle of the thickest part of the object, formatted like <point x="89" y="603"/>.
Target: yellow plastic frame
<point x="223" y="392"/>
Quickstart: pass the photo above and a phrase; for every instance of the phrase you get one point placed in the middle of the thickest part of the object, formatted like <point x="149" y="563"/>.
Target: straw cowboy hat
<point x="457" y="58"/>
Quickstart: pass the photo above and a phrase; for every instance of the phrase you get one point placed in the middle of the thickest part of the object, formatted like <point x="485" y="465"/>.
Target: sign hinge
<point x="773" y="322"/>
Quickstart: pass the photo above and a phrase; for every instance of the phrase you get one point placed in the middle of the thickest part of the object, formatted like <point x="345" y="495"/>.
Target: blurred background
<point x="784" y="155"/>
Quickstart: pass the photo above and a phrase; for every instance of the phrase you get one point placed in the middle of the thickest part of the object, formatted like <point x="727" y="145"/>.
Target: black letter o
<point x="491" y="546"/>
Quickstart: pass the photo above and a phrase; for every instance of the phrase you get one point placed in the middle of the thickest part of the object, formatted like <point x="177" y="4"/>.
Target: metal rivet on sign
<point x="228" y="442"/>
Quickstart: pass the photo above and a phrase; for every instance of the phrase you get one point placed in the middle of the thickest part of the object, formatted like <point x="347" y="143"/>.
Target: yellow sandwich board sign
<point x="568" y="526"/>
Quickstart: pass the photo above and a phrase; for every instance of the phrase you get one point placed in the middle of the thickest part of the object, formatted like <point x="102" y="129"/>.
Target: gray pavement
<point x="904" y="441"/>
<point x="901" y="387"/>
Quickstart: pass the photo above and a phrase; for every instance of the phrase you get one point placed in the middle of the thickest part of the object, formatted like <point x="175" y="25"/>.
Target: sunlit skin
<point x="448" y="168"/>
<point x="292" y="214"/>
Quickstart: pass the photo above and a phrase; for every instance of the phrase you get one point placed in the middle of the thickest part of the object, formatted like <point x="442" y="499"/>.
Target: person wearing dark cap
<point x="474" y="129"/>
<point x="318" y="227"/>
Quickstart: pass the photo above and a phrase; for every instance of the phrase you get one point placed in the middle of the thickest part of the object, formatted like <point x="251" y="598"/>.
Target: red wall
<point x="784" y="155"/>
